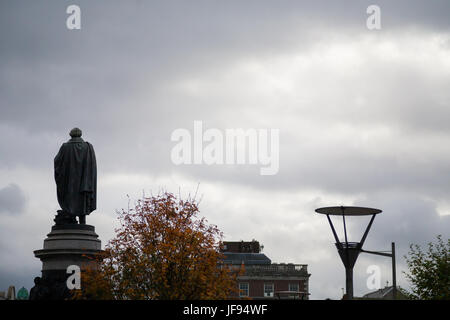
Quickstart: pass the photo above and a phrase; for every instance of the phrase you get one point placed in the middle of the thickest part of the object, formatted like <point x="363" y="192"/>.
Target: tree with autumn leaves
<point x="162" y="250"/>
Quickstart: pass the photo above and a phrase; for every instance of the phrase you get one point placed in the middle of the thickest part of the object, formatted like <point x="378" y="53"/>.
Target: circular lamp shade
<point x="348" y="211"/>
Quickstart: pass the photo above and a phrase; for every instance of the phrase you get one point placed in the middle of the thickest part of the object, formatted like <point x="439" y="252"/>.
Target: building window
<point x="268" y="289"/>
<point x="243" y="289"/>
<point x="293" y="287"/>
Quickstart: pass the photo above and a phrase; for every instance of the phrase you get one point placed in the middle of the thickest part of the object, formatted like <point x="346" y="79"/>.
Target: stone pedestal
<point x="65" y="245"/>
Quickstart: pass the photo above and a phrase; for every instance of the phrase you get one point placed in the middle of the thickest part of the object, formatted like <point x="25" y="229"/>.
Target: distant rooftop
<point x="244" y="252"/>
<point x="246" y="258"/>
<point x="241" y="246"/>
<point x="385" y="293"/>
<point x="379" y="294"/>
<point x="257" y="264"/>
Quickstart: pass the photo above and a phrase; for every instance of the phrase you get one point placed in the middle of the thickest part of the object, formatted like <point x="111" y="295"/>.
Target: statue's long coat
<point x="76" y="177"/>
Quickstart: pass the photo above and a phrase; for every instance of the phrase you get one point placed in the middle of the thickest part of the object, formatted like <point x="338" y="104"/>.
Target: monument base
<point x="66" y="245"/>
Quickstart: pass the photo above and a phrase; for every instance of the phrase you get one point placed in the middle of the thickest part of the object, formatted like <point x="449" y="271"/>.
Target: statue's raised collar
<point x="75" y="140"/>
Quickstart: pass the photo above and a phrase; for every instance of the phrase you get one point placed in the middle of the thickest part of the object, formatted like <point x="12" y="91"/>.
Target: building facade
<point x="262" y="279"/>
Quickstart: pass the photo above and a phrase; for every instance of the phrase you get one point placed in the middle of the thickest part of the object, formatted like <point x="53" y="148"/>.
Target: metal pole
<point x="332" y="229"/>
<point x="394" y="276"/>
<point x="349" y="283"/>
<point x="348" y="270"/>
<point x="345" y="228"/>
<point x="367" y="231"/>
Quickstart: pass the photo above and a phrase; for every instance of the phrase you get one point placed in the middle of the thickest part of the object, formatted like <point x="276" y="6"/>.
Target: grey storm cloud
<point x="52" y="66"/>
<point x="12" y="200"/>
<point x="407" y="218"/>
<point x="362" y="115"/>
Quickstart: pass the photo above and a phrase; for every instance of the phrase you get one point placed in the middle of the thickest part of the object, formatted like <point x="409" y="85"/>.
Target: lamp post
<point x="349" y="251"/>
<point x="391" y="255"/>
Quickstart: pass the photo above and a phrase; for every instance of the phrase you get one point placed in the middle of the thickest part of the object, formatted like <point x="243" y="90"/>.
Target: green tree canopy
<point x="429" y="272"/>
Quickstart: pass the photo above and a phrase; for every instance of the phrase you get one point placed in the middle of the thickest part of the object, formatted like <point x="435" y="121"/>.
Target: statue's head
<point x="75" y="133"/>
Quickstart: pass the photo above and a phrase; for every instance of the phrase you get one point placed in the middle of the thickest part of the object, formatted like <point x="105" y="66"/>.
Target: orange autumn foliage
<point x="161" y="251"/>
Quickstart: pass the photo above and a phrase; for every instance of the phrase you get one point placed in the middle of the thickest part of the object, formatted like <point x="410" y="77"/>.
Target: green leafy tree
<point x="429" y="272"/>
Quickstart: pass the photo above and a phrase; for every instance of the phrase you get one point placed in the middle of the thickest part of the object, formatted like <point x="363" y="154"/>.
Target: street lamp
<point x="391" y="255"/>
<point x="349" y="251"/>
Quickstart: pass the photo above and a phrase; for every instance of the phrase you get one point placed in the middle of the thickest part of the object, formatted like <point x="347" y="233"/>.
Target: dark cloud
<point x="41" y="58"/>
<point x="407" y="218"/>
<point x="362" y="115"/>
<point x="12" y="200"/>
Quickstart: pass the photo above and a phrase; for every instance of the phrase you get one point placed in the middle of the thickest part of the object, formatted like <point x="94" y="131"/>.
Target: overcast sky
<point x="363" y="118"/>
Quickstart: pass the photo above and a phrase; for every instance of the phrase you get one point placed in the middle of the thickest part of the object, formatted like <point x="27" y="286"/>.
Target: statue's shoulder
<point x="64" y="146"/>
<point x="89" y="144"/>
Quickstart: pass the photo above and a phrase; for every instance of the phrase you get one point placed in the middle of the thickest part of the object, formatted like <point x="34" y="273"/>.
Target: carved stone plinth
<point x="66" y="245"/>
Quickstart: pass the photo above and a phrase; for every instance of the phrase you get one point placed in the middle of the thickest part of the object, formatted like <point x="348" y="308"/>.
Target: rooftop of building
<point x="385" y="293"/>
<point x="246" y="258"/>
<point x="248" y="253"/>
<point x="241" y="246"/>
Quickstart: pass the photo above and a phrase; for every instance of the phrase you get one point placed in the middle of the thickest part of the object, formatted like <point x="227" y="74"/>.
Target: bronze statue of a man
<point x="76" y="179"/>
